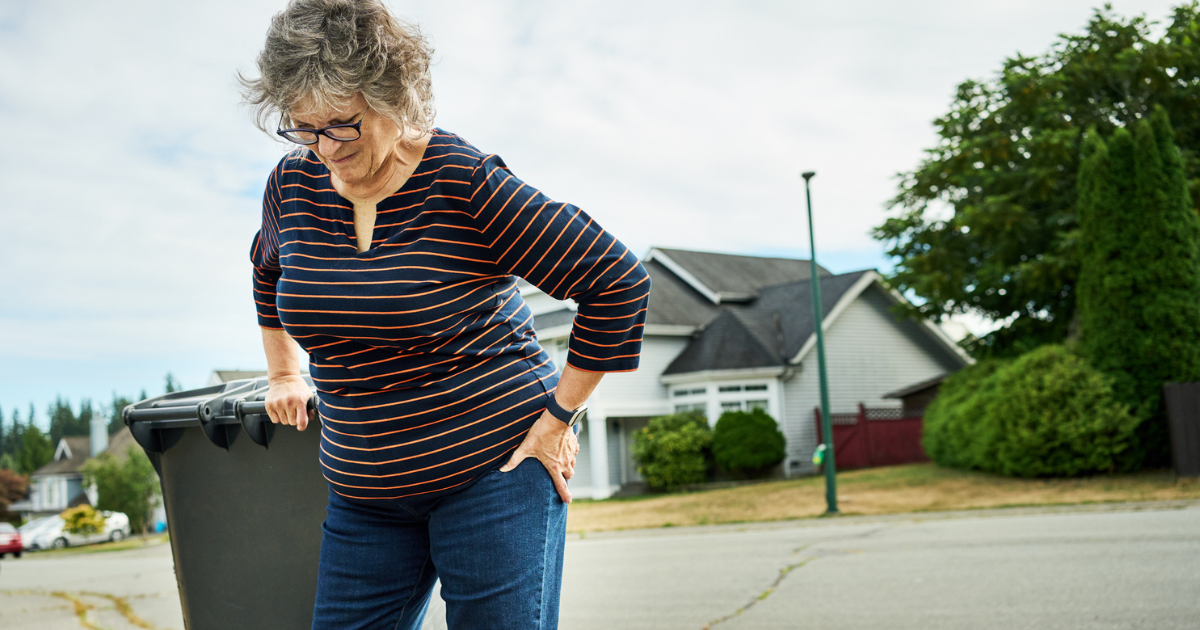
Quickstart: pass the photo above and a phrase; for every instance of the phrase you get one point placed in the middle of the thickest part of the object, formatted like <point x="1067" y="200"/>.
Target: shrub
<point x="747" y="443"/>
<point x="673" y="451"/>
<point x="951" y="434"/>
<point x="1047" y="413"/>
<point x="83" y="519"/>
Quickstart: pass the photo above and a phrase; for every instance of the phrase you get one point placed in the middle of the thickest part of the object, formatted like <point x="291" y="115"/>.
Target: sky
<point x="131" y="176"/>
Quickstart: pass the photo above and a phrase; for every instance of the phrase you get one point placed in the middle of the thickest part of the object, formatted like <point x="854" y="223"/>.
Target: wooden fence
<point x="883" y="436"/>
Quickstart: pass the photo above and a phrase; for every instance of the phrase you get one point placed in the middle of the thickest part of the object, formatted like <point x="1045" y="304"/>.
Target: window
<point x="731" y="405"/>
<point x="701" y="407"/>
<point x="729" y="388"/>
<point x="690" y="392"/>
<point x="761" y="387"/>
<point x="756" y="404"/>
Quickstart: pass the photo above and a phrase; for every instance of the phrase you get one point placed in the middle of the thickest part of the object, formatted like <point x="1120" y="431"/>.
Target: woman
<point x="389" y="252"/>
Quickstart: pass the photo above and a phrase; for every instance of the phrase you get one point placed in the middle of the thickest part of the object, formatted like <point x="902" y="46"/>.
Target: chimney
<point x="99" y="434"/>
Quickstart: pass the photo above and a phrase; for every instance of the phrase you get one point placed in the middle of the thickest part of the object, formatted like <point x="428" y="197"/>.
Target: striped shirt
<point x="427" y="367"/>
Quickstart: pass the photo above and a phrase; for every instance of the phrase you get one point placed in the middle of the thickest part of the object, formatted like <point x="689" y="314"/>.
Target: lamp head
<point x="807" y="175"/>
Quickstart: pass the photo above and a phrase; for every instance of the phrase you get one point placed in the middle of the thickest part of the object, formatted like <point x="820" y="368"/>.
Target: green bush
<point x="673" y="451"/>
<point x="1047" y="413"/>
<point x="951" y="435"/>
<point x="747" y="444"/>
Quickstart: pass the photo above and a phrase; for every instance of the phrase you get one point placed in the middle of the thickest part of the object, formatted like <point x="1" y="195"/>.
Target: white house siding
<point x="868" y="354"/>
<point x="624" y="392"/>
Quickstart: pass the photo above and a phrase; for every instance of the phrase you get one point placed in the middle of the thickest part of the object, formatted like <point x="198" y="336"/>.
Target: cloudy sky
<point x="131" y="176"/>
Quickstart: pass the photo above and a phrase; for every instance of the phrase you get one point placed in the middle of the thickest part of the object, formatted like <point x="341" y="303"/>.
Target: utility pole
<point x="826" y="419"/>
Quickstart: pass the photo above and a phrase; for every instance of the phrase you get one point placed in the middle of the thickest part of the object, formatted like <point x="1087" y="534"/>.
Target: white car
<point x="52" y="536"/>
<point x="31" y="529"/>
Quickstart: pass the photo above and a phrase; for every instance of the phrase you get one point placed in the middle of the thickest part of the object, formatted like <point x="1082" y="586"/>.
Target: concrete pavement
<point x="1094" y="568"/>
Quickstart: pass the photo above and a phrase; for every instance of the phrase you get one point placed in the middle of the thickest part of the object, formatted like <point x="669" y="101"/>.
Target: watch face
<point x="577" y="415"/>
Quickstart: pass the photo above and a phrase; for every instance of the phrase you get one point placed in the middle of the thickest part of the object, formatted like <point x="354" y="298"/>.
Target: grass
<point x="890" y="490"/>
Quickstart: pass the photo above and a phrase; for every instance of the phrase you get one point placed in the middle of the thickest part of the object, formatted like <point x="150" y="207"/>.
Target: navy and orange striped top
<point x="427" y="367"/>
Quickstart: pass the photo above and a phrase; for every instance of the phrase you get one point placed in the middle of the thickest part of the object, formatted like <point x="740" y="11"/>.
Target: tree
<point x="115" y="420"/>
<point x="125" y="484"/>
<point x="1005" y="168"/>
<point x="1139" y="285"/>
<point x="63" y="421"/>
<point x="13" y="488"/>
<point x="36" y="450"/>
<point x="172" y="384"/>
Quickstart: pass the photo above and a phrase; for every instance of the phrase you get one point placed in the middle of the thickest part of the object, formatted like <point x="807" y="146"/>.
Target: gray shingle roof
<point x="753" y="336"/>
<point x="81" y="450"/>
<point x="740" y="277"/>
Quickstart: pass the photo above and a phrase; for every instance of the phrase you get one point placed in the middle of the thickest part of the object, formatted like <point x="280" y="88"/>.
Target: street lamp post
<point x="826" y="419"/>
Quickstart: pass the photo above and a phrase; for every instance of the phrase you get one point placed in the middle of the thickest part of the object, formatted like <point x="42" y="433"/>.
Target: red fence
<point x="874" y="437"/>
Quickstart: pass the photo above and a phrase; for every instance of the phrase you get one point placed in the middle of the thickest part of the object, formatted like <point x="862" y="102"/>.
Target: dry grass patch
<point x="891" y="490"/>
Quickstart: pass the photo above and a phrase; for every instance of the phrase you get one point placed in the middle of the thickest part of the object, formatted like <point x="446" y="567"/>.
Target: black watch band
<point x="558" y="411"/>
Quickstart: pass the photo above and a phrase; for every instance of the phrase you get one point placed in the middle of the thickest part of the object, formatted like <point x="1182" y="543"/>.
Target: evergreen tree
<point x="63" y="420"/>
<point x="13" y="446"/>
<point x="1139" y="286"/>
<point x="172" y="384"/>
<point x="115" y="420"/>
<point x="36" y="450"/>
<point x="1108" y="318"/>
<point x="3" y="435"/>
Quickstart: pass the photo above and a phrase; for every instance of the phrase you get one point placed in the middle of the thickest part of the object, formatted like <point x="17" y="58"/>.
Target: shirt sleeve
<point x="561" y="250"/>
<point x="264" y="255"/>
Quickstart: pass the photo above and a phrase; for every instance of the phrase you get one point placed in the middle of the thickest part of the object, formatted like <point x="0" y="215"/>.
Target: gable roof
<point x="724" y="278"/>
<point x="772" y="329"/>
<point x="69" y="456"/>
<point x="727" y="343"/>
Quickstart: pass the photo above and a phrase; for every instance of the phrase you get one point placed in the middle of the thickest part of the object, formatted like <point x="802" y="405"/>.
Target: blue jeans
<point x="497" y="547"/>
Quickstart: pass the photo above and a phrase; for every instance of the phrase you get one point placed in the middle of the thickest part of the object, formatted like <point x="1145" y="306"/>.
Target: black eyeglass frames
<point x="342" y="133"/>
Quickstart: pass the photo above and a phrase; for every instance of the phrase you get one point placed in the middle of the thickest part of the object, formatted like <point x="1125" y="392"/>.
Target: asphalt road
<point x="1095" y="568"/>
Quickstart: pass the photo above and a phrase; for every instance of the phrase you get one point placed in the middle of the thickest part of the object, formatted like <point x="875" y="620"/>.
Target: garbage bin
<point x="1183" y="414"/>
<point x="244" y="503"/>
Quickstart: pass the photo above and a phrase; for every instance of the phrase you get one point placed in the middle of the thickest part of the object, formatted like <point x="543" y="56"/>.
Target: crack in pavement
<point x="82" y="609"/>
<point x="785" y="571"/>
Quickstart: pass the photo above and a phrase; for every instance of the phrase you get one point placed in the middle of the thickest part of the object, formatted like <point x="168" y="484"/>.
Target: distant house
<point x="224" y="376"/>
<point x="60" y="484"/>
<point x="737" y="332"/>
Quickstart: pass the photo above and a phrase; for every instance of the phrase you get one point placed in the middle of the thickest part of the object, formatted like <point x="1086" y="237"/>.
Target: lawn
<point x="890" y="490"/>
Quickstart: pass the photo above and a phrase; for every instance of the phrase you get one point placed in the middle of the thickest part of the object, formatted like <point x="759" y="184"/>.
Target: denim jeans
<point x="497" y="547"/>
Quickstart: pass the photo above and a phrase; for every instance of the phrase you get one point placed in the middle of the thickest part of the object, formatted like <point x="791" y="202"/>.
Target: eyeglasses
<point x="342" y="133"/>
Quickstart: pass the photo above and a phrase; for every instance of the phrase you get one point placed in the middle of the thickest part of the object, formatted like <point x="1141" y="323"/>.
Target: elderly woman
<point x="389" y="252"/>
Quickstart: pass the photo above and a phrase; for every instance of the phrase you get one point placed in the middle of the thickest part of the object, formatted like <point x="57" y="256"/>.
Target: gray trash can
<point x="245" y="502"/>
<point x="1183" y="414"/>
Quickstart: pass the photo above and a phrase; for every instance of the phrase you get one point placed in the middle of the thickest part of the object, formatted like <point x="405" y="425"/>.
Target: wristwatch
<point x="570" y="418"/>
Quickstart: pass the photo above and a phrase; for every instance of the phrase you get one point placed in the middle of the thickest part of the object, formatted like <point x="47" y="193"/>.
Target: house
<point x="737" y="332"/>
<point x="224" y="376"/>
<point x="59" y="484"/>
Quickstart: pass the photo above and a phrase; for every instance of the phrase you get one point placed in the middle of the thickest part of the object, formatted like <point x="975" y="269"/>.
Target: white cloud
<point x="130" y="174"/>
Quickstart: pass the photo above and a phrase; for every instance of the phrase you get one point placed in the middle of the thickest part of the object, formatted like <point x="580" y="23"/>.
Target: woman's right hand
<point x="287" y="401"/>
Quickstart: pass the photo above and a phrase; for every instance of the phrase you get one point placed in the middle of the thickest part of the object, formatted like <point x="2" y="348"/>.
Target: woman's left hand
<point x="553" y="443"/>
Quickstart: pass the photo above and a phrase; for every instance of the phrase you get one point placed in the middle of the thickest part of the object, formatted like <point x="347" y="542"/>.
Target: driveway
<point x="1093" y="568"/>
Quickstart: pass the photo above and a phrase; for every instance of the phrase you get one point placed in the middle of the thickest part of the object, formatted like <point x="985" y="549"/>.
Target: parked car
<point x="31" y="529"/>
<point x="10" y="540"/>
<point x="52" y="536"/>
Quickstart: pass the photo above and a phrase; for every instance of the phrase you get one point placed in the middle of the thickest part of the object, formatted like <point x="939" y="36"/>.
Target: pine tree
<point x="36" y="450"/>
<point x="63" y="421"/>
<point x="115" y="420"/>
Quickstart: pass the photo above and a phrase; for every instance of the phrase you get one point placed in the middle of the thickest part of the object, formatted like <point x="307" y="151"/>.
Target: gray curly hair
<point x="327" y="50"/>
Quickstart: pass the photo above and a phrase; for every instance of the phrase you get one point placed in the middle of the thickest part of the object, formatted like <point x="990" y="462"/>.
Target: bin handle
<point x="253" y="416"/>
